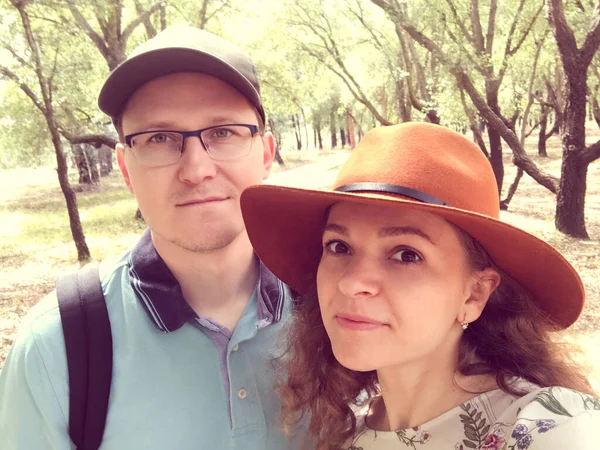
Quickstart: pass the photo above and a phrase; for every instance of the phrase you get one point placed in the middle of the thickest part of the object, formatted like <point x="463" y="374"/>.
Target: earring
<point x="464" y="325"/>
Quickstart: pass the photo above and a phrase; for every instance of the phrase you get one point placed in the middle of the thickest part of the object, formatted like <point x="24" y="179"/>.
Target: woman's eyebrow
<point x="336" y="228"/>
<point x="399" y="231"/>
<point x="383" y="232"/>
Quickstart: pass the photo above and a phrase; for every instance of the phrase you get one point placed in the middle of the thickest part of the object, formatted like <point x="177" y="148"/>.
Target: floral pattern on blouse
<point x="544" y="419"/>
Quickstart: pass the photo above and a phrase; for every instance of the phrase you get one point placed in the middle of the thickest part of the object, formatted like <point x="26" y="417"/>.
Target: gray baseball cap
<point x="180" y="48"/>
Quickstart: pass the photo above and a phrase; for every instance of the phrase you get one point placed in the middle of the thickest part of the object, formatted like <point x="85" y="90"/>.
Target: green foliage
<point x="299" y="47"/>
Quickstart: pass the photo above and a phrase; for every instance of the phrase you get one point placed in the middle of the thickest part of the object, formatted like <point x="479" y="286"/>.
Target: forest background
<point x="521" y="77"/>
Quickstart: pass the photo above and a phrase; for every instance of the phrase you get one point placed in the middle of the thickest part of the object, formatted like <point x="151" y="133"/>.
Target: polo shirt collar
<point x="160" y="294"/>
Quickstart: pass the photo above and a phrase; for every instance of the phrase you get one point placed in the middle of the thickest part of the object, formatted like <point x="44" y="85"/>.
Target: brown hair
<point x="510" y="339"/>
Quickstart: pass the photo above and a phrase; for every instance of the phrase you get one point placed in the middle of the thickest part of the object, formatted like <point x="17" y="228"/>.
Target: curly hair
<point x="512" y="338"/>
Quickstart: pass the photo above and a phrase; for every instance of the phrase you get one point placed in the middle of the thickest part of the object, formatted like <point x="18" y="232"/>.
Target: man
<point x="196" y="319"/>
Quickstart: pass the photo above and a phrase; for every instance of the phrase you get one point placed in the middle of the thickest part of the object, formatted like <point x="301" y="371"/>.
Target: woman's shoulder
<point x="542" y="419"/>
<point x="546" y="418"/>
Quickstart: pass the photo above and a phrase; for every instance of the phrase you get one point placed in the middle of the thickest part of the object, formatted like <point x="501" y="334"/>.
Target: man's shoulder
<point x="43" y="320"/>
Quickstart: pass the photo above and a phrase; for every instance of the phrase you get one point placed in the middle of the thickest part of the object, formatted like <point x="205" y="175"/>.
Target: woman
<point x="420" y="304"/>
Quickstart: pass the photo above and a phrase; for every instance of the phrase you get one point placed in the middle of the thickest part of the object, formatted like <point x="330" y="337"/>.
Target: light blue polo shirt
<point x="179" y="387"/>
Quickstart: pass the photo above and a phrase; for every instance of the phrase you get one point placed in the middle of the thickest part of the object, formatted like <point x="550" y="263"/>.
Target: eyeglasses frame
<point x="254" y="130"/>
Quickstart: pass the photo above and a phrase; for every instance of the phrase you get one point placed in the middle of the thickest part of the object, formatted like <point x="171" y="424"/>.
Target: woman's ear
<point x="483" y="285"/>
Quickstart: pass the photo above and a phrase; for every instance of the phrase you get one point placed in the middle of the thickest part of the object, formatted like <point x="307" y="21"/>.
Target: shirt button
<point x="235" y="347"/>
<point x="242" y="394"/>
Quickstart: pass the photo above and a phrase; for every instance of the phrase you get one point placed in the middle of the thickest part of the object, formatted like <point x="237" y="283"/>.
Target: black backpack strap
<point x="88" y="342"/>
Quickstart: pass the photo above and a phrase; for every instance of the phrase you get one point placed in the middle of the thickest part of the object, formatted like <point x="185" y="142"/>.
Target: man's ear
<point x="120" y="149"/>
<point x="484" y="283"/>
<point x="268" y="153"/>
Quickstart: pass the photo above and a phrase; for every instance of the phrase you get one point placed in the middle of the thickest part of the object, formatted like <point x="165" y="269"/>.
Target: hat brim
<point x="285" y="227"/>
<point x="140" y="69"/>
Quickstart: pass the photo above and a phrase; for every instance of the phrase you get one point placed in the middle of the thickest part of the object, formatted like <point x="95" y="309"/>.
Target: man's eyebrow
<point x="160" y="125"/>
<point x="336" y="228"/>
<point x="399" y="231"/>
<point x="168" y="125"/>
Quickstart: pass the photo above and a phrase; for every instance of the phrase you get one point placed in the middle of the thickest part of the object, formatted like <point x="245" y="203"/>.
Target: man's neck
<point x="216" y="284"/>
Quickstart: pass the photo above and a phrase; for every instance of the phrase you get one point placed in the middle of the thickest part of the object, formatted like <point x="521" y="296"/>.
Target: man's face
<point x="193" y="203"/>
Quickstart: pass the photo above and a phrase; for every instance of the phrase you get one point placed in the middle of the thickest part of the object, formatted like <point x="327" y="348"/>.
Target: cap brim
<point x="285" y="227"/>
<point x="138" y="70"/>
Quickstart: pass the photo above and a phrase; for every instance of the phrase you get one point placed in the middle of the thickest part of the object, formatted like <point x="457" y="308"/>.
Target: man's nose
<point x="195" y="164"/>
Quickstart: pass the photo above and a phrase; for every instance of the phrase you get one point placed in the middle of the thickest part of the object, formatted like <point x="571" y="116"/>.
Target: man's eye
<point x="337" y="247"/>
<point x="159" y="138"/>
<point x="222" y="133"/>
<point x="407" y="255"/>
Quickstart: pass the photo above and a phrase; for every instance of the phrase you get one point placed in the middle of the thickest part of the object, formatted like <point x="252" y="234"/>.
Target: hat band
<point x="391" y="189"/>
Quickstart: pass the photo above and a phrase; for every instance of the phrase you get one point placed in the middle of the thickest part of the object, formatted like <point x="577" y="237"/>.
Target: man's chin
<point x="206" y="243"/>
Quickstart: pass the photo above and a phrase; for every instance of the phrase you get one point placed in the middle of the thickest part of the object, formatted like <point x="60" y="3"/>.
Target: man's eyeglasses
<point x="164" y="147"/>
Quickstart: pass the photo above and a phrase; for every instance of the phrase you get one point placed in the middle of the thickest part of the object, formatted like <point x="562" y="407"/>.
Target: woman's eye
<point x="407" y="255"/>
<point x="337" y="247"/>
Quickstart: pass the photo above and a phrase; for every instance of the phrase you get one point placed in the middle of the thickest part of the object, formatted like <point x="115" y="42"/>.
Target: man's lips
<point x="357" y="322"/>
<point x="201" y="201"/>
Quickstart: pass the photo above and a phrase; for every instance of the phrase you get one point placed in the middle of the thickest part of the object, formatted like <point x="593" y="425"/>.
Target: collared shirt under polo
<point x="168" y="389"/>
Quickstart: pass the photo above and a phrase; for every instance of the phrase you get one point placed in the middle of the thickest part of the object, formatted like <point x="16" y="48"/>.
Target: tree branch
<point x="591" y="153"/>
<point x="223" y="5"/>
<point x="565" y="38"/>
<point x="491" y="31"/>
<point x="85" y="26"/>
<point x="139" y="19"/>
<point x="516" y="48"/>
<point x="97" y="140"/>
<point x="18" y="57"/>
<point x="466" y="52"/>
<point x="24" y="87"/>
<point x="150" y="30"/>
<point x="592" y="40"/>
<point x="459" y="22"/>
<point x="520" y="157"/>
<point x="476" y="26"/>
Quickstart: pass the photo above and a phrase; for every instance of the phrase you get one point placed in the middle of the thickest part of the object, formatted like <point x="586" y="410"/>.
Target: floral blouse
<point x="545" y="419"/>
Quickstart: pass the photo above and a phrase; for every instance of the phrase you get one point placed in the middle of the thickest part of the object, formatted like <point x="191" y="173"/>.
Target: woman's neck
<point x="416" y="393"/>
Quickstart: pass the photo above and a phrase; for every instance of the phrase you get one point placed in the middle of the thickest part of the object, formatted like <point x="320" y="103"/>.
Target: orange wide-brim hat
<point x="417" y="166"/>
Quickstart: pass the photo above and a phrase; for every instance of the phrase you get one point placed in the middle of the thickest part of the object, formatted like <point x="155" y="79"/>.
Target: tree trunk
<point x="432" y="116"/>
<point x="319" y="137"/>
<point x="333" y="130"/>
<point x="511" y="191"/>
<point x="277" y="135"/>
<point x="83" y="252"/>
<point x="570" y="211"/>
<point x="404" y="106"/>
<point x="542" y="136"/>
<point x="92" y="162"/>
<point x="83" y="169"/>
<point x="105" y="160"/>
<point x="342" y="137"/>
<point x="596" y="108"/>
<point x="350" y="121"/>
<point x="305" y="127"/>
<point x="493" y="136"/>
<point x="297" y="131"/>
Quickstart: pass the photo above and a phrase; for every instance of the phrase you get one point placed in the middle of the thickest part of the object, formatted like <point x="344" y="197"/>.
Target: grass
<point x="36" y="245"/>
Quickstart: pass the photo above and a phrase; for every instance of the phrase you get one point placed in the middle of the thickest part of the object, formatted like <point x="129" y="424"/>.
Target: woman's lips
<point x="358" y="323"/>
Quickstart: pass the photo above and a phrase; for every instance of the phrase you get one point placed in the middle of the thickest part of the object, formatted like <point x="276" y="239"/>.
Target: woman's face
<point x="393" y="286"/>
